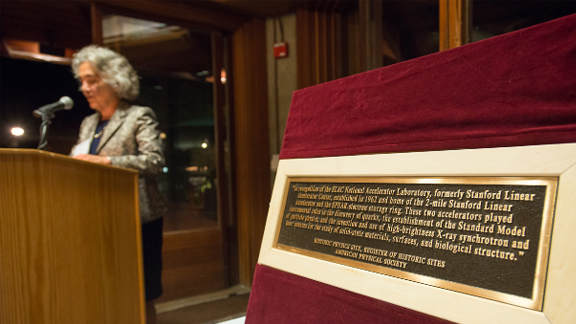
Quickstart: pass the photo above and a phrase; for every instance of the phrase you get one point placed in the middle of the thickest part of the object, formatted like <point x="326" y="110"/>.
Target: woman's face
<point x="100" y="95"/>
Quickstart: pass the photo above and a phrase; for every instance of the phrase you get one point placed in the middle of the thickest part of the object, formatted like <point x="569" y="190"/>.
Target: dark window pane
<point x="491" y="18"/>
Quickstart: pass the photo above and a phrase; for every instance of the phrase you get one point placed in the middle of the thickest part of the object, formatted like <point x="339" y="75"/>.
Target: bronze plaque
<point x="485" y="236"/>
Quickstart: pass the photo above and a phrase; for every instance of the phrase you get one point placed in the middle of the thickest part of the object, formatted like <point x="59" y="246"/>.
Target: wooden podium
<point x="69" y="241"/>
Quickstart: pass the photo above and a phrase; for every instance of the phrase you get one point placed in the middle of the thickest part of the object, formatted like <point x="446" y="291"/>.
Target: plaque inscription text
<point x="484" y="236"/>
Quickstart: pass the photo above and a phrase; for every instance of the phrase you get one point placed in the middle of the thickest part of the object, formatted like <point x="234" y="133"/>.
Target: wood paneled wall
<point x="337" y="38"/>
<point x="320" y="51"/>
<point x="193" y="264"/>
<point x="251" y="142"/>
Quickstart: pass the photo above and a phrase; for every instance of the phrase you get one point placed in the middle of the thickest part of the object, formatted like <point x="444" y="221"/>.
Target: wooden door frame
<point x="455" y="19"/>
<point x="250" y="165"/>
<point x="251" y="143"/>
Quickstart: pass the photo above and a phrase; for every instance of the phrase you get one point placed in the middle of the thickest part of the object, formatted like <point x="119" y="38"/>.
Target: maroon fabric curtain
<point x="279" y="297"/>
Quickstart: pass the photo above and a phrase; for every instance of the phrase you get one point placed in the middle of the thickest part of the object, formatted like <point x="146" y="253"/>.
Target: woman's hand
<point x="93" y="158"/>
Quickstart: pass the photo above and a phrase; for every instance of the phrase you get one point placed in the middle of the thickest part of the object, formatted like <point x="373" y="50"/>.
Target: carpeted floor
<point x="208" y="313"/>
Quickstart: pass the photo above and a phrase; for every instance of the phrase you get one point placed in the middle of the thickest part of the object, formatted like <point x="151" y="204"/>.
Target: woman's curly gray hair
<point x="112" y="67"/>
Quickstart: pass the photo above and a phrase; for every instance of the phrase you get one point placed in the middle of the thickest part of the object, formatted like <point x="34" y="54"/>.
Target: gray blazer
<point x="132" y="140"/>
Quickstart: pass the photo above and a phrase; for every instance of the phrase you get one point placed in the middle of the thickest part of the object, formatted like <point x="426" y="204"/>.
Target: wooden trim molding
<point x="454" y="23"/>
<point x="251" y="143"/>
<point x="222" y="188"/>
<point x="96" y="16"/>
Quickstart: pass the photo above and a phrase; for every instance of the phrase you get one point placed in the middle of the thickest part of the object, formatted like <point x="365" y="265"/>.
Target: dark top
<point x="98" y="135"/>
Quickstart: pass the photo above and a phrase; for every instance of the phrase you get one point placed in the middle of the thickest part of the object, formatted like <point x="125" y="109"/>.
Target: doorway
<point x="183" y="79"/>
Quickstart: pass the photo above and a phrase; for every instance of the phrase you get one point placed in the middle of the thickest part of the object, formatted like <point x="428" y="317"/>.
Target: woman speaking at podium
<point x="124" y="135"/>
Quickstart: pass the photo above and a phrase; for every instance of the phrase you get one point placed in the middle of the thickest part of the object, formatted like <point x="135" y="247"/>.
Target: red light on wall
<point x="281" y="50"/>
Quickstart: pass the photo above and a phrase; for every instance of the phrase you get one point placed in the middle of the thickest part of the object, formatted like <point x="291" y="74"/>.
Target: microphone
<point x="65" y="103"/>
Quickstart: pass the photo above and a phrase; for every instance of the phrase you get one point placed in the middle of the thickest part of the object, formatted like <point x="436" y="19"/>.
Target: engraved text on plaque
<point x="484" y="236"/>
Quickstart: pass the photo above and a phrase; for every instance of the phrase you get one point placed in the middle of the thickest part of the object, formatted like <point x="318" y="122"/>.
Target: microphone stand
<point x="46" y="120"/>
